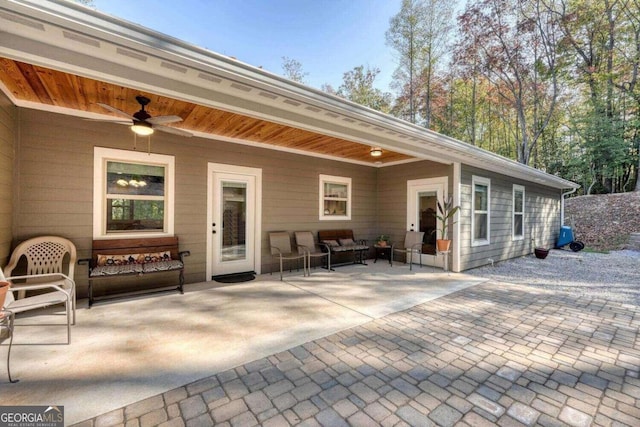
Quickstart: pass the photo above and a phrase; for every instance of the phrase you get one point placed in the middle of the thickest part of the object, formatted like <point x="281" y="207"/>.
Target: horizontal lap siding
<point x="392" y="193"/>
<point x="542" y="219"/>
<point x="56" y="185"/>
<point x="290" y="195"/>
<point x="8" y="132"/>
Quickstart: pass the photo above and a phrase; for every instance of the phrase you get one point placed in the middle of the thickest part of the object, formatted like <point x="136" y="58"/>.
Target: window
<point x="133" y="193"/>
<point x="518" y="212"/>
<point x="480" y="221"/>
<point x="335" y="197"/>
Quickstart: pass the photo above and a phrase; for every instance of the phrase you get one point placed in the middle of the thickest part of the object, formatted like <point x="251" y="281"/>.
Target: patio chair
<point x="412" y="245"/>
<point x="47" y="258"/>
<point x="280" y="243"/>
<point x="304" y="240"/>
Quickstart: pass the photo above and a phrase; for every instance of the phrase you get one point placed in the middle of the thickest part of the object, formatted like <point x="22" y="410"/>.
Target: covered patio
<point x="129" y="350"/>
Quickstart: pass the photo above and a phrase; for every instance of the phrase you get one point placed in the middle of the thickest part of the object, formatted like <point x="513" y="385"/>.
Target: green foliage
<point x="446" y="212"/>
<point x="357" y="86"/>
<point x="89" y="3"/>
<point x="383" y="238"/>
<point x="293" y="70"/>
<point x="553" y="84"/>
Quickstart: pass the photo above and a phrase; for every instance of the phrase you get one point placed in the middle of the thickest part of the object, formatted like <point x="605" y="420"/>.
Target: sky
<point x="328" y="37"/>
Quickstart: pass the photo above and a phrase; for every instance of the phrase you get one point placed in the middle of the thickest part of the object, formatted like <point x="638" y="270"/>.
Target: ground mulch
<point x="604" y="221"/>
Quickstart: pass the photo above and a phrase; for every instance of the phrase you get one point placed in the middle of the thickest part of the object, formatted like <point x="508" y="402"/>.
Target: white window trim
<point x="517" y="188"/>
<point x="336" y="180"/>
<point x="100" y="157"/>
<point x="487" y="182"/>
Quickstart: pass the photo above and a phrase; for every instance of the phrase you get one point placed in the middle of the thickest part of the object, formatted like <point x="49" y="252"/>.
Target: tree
<point x="419" y="34"/>
<point x="357" y="86"/>
<point x="513" y="45"/>
<point x="406" y="35"/>
<point x="601" y="41"/>
<point x="293" y="70"/>
<point x="89" y="3"/>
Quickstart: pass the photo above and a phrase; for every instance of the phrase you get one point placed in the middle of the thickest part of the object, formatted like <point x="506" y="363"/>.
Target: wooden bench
<point x="134" y="257"/>
<point x="343" y="246"/>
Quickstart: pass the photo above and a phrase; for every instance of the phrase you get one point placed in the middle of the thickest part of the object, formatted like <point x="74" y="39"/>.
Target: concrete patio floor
<point x="131" y="350"/>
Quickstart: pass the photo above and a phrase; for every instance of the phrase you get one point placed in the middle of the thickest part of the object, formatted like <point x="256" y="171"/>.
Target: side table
<point x="445" y="266"/>
<point x="384" y="252"/>
<point x="6" y="331"/>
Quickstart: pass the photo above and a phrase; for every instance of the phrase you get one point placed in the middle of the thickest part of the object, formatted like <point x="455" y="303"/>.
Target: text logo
<point x="31" y="416"/>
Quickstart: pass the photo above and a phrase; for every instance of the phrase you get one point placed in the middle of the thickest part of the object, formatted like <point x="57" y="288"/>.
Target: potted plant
<point x="4" y="288"/>
<point x="541" y="253"/>
<point x="445" y="214"/>
<point x="383" y="240"/>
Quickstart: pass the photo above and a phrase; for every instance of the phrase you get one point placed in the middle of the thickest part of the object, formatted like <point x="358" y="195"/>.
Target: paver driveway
<point x="492" y="354"/>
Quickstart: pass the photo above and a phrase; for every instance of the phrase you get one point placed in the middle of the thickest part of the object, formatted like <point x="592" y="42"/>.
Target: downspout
<point x="455" y="262"/>
<point x="562" y="204"/>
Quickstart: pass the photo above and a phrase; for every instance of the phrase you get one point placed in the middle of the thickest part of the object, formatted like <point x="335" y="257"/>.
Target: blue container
<point x="566" y="236"/>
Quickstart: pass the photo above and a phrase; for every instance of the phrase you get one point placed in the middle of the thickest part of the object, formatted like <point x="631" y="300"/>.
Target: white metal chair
<point x="6" y="332"/>
<point x="412" y="245"/>
<point x="280" y="243"/>
<point x="304" y="240"/>
<point x="50" y="262"/>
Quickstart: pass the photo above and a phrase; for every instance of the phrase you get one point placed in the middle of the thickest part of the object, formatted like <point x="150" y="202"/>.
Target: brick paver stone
<point x="492" y="354"/>
<point x="523" y="413"/>
<point x="192" y="407"/>
<point x="574" y="417"/>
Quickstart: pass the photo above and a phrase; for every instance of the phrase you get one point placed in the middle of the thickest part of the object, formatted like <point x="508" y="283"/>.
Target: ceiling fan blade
<point x="118" y="121"/>
<point x="174" y="131"/>
<point x="114" y="110"/>
<point x="159" y="120"/>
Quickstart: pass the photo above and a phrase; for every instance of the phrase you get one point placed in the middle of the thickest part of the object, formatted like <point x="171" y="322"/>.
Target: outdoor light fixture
<point x="376" y="152"/>
<point x="142" y="128"/>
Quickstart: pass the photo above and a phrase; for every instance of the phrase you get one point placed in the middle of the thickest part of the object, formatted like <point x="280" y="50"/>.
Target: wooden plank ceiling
<point x="46" y="86"/>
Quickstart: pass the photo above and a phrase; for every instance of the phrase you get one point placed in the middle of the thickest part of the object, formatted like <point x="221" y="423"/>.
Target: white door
<point x="422" y="196"/>
<point x="233" y="219"/>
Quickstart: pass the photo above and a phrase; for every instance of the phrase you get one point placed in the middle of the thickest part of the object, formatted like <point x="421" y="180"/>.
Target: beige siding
<point x="542" y="219"/>
<point x="56" y="185"/>
<point x="392" y="193"/>
<point x="8" y="136"/>
<point x="53" y="191"/>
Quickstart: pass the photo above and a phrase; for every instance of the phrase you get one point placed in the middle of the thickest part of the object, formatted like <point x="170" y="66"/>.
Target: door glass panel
<point x="427" y="220"/>
<point x="234" y="224"/>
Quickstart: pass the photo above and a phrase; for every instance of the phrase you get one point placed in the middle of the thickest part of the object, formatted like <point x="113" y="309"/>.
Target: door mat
<point x="235" y="278"/>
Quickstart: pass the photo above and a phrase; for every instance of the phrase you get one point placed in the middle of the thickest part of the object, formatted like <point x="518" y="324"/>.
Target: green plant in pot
<point x="444" y="215"/>
<point x="383" y="240"/>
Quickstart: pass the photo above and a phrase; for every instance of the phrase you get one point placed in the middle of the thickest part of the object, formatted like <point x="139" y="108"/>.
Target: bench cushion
<point x="151" y="267"/>
<point x="112" y="270"/>
<point x="349" y="248"/>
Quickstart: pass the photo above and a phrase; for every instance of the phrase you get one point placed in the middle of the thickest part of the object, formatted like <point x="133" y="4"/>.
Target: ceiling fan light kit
<point x="142" y="128"/>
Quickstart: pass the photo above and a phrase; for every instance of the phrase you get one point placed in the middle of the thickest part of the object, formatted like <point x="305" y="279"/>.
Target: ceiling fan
<point x="143" y="124"/>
